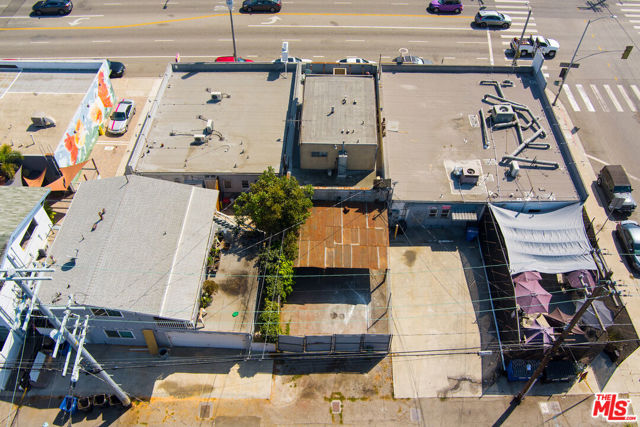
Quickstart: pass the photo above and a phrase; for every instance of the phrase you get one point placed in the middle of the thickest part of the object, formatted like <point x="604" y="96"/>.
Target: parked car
<point x="628" y="233"/>
<point x="117" y="69"/>
<point x="121" y="116"/>
<point x="530" y="45"/>
<point x="291" y="60"/>
<point x="409" y="59"/>
<point x="52" y="7"/>
<point x="264" y="5"/>
<point x="437" y="6"/>
<point x="617" y="189"/>
<point x="354" y="60"/>
<point x="492" y="18"/>
<point x="230" y="59"/>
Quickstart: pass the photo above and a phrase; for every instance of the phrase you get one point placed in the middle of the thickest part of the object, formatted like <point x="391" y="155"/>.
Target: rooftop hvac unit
<point x="216" y="96"/>
<point x="209" y="128"/>
<point x="502" y="113"/>
<point x="469" y="176"/>
<point x="514" y="169"/>
<point x="199" y="137"/>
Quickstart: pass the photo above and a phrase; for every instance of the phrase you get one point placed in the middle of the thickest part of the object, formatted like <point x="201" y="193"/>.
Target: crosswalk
<point x="607" y="98"/>
<point x="631" y="10"/>
<point x="517" y="10"/>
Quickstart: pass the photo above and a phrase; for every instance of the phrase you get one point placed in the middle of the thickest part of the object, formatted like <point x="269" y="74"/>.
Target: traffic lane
<point x="262" y="44"/>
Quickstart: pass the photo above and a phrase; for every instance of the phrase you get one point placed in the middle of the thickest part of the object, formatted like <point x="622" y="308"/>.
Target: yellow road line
<point x="193" y="18"/>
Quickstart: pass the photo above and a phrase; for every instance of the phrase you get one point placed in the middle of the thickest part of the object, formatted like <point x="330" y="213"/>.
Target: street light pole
<point x="233" y="34"/>
<point x="564" y="77"/>
<point x="516" y="54"/>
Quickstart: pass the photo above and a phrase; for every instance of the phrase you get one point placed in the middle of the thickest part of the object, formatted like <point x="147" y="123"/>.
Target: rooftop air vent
<point x="502" y="113"/>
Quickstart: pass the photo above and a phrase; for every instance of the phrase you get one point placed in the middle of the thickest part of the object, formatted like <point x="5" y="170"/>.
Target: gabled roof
<point x="147" y="253"/>
<point x="16" y="203"/>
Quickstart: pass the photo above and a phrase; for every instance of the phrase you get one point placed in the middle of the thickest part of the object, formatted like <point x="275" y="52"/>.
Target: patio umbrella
<point x="563" y="318"/>
<point x="536" y="333"/>
<point x="589" y="317"/>
<point x="532" y="297"/>
<point x="527" y="276"/>
<point x="573" y="277"/>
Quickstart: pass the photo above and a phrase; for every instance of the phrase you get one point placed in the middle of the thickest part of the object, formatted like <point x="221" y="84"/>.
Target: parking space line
<point x="571" y="99"/>
<point x="585" y="98"/>
<point x="599" y="98"/>
<point x="613" y="98"/>
<point x="490" y="48"/>
<point x="630" y="103"/>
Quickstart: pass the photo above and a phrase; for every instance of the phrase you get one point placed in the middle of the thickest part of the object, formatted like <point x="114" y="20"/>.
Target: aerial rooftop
<point x="248" y="123"/>
<point x="433" y="126"/>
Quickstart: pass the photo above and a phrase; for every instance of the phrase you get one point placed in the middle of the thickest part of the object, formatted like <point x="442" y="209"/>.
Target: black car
<point x="264" y="5"/>
<point x="117" y="68"/>
<point x="52" y="7"/>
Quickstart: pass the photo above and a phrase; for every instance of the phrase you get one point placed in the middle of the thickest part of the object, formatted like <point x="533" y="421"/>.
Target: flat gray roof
<point x="248" y="123"/>
<point x="339" y="109"/>
<point x="146" y="255"/>
<point x="24" y="92"/>
<point x="16" y="203"/>
<point x="432" y="126"/>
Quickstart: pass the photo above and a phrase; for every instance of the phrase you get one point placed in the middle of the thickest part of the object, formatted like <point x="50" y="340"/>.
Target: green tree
<point x="278" y="274"/>
<point x="270" y="321"/>
<point x="9" y="161"/>
<point x="274" y="203"/>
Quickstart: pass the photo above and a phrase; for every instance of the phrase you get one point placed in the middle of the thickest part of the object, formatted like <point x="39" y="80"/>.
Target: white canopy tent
<point x="548" y="242"/>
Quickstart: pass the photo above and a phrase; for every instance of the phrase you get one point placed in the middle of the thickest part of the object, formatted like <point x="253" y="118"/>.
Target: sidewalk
<point x="626" y="378"/>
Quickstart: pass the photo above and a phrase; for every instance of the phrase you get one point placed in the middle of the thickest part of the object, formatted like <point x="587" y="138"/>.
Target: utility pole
<point x="549" y="354"/>
<point x="12" y="275"/>
<point x="233" y="34"/>
<point x="516" y="54"/>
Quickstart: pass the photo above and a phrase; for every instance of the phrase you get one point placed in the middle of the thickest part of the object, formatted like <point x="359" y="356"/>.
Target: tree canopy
<point x="9" y="161"/>
<point x="274" y="203"/>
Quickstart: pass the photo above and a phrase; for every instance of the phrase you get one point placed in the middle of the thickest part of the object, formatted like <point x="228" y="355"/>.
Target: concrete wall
<point x="360" y="157"/>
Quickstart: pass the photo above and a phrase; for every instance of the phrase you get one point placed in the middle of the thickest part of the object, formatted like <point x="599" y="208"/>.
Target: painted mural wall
<point x="83" y="130"/>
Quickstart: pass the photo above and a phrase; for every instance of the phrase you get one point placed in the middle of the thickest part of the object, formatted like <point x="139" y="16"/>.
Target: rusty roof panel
<point x="350" y="235"/>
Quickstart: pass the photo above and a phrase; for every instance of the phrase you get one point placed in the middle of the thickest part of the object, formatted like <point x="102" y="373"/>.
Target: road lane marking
<point x="630" y="103"/>
<point x="484" y="58"/>
<point x="39" y="42"/>
<point x="634" y="21"/>
<point x="507" y="11"/>
<point x="366" y="27"/>
<point x="585" y="98"/>
<point x="163" y="40"/>
<point x="418" y="41"/>
<point x="449" y="57"/>
<point x="100" y="41"/>
<point x="490" y="48"/>
<point x="356" y="40"/>
<point x="635" y="90"/>
<point x="613" y="98"/>
<point x="518" y="12"/>
<point x="632" y="16"/>
<point x="471" y="42"/>
<point x="519" y="30"/>
<point x="599" y="98"/>
<point x="571" y="99"/>
<point x="112" y="4"/>
<point x="318" y="56"/>
<point x="399" y="4"/>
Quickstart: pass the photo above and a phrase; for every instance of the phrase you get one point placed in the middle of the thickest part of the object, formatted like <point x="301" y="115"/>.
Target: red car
<point x="230" y="59"/>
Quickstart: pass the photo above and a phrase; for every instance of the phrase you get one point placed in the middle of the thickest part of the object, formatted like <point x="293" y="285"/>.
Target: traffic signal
<point x="627" y="52"/>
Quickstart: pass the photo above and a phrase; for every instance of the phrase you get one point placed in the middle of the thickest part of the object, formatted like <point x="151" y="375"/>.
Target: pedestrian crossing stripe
<point x="571" y="99"/>
<point x="616" y="104"/>
<point x="599" y="98"/>
<point x="585" y="98"/>
<point x="630" y="103"/>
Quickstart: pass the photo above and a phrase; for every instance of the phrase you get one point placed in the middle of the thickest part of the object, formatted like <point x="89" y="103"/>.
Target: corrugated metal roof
<point x="16" y="203"/>
<point x="353" y="235"/>
<point x="464" y="216"/>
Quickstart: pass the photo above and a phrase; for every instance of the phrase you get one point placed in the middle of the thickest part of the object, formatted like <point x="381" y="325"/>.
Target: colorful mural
<point x="83" y="130"/>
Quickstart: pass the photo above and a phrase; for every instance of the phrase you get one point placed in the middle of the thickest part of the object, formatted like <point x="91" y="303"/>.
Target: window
<point x="245" y="183"/>
<point x="27" y="234"/>
<point x="227" y="183"/>
<point x="103" y="312"/>
<point x="319" y="154"/>
<point x="444" y="213"/>
<point x="433" y="211"/>
<point x="113" y="333"/>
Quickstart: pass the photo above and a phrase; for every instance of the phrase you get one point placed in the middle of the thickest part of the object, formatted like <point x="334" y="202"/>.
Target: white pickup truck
<point x="529" y="45"/>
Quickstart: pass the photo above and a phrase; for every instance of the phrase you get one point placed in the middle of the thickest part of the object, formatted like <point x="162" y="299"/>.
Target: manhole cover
<point x="336" y="406"/>
<point x="205" y="410"/>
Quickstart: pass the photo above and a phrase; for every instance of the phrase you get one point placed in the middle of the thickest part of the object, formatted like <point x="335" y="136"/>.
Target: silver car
<point x="121" y="116"/>
<point x="492" y="18"/>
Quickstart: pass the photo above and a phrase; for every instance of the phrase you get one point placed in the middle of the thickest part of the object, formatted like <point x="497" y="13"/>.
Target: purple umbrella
<point x="573" y="277"/>
<point x="538" y="333"/>
<point x="527" y="276"/>
<point x="532" y="297"/>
